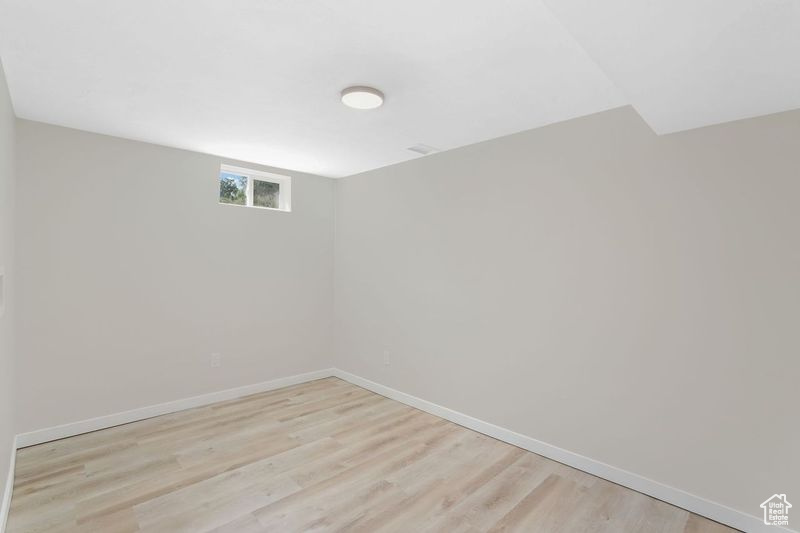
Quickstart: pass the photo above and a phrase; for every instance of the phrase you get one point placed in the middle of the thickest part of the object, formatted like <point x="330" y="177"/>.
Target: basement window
<point x="254" y="188"/>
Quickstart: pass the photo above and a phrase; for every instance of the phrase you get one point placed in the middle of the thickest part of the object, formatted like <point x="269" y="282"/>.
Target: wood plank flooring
<point x="321" y="456"/>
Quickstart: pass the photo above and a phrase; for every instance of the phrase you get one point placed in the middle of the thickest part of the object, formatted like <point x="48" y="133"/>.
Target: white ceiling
<point x="259" y="80"/>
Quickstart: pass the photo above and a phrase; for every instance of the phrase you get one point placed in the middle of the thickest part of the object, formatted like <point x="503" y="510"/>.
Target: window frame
<point x="284" y="184"/>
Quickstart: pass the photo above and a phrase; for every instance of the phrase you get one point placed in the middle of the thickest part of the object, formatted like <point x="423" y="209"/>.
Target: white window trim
<point x="285" y="182"/>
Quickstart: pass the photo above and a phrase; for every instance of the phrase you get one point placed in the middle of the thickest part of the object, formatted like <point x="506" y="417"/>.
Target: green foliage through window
<point x="265" y="194"/>
<point x="232" y="189"/>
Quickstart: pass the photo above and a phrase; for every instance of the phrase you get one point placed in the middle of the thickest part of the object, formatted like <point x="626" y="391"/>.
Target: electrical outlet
<point x="386" y="358"/>
<point x="216" y="360"/>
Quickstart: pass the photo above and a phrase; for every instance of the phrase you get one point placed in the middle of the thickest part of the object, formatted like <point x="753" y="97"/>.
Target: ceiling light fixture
<point x="360" y="97"/>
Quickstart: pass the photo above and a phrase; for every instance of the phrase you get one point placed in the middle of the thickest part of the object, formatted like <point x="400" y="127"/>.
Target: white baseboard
<point x="125" y="417"/>
<point x="9" y="487"/>
<point x="677" y="497"/>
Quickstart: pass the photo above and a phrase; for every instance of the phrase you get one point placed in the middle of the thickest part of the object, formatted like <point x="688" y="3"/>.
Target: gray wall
<point x="631" y="298"/>
<point x="7" y="430"/>
<point x="131" y="274"/>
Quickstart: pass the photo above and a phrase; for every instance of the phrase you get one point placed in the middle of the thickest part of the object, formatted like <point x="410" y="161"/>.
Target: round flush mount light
<point x="361" y="97"/>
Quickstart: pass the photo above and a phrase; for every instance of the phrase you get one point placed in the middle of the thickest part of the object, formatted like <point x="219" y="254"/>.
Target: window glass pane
<point x="265" y="194"/>
<point x="232" y="189"/>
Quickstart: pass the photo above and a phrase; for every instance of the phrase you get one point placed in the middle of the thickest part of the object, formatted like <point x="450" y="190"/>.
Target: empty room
<point x="449" y="266"/>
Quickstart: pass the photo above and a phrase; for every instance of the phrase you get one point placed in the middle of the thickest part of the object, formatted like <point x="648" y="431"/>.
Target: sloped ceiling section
<point x="689" y="63"/>
<point x="259" y="80"/>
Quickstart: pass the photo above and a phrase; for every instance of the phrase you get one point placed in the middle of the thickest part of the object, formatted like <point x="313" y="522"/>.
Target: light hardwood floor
<point x="321" y="456"/>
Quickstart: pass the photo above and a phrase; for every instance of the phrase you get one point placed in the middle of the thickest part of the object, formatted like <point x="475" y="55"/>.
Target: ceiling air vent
<point x="423" y="149"/>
